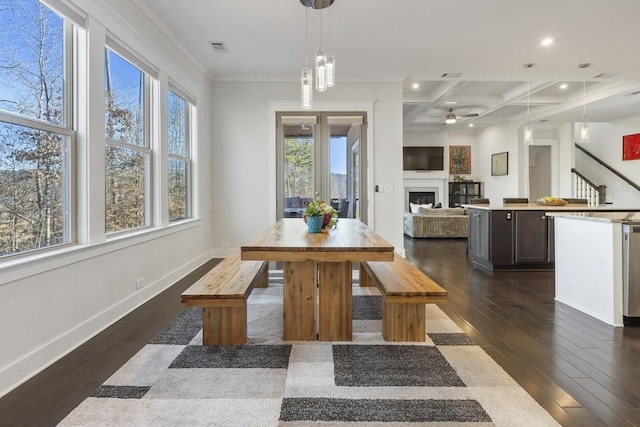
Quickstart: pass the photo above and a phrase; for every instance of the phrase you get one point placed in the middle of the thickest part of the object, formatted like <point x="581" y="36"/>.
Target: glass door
<point x="321" y="154"/>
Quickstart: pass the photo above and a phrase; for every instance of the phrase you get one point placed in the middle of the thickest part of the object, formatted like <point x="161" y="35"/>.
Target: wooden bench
<point x="405" y="291"/>
<point x="222" y="293"/>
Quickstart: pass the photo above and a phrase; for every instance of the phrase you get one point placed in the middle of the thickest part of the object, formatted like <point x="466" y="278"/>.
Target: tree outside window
<point x="127" y="147"/>
<point x="35" y="136"/>
<point x="179" y="157"/>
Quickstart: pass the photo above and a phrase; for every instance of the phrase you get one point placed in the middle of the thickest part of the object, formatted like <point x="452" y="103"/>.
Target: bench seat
<point x="405" y="291"/>
<point x="222" y="293"/>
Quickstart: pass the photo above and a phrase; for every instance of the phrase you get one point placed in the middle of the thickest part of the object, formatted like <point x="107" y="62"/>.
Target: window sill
<point x="22" y="267"/>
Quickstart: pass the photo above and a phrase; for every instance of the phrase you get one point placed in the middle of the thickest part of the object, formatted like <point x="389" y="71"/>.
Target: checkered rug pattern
<point x="175" y="380"/>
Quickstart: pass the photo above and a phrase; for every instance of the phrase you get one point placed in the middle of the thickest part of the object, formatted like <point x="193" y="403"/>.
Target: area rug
<point x="176" y="381"/>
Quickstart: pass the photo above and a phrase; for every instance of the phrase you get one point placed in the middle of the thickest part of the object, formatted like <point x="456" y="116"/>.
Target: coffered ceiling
<point x="425" y="41"/>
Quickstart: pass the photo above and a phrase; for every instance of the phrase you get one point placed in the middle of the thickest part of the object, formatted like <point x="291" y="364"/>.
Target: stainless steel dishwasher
<point x="631" y="273"/>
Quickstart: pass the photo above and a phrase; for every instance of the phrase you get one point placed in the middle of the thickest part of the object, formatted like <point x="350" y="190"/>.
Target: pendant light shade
<point x="528" y="135"/>
<point x="527" y="131"/>
<point x="306" y="80"/>
<point x="306" y="77"/>
<point x="321" y="71"/>
<point x="330" y="69"/>
<point x="584" y="135"/>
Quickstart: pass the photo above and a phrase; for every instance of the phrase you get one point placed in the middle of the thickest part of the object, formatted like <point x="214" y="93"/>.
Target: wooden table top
<point x="290" y="240"/>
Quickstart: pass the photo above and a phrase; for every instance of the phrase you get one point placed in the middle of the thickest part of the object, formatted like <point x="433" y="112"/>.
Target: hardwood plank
<point x="582" y="371"/>
<point x="496" y="309"/>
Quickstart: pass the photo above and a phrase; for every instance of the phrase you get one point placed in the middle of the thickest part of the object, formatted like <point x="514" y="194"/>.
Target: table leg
<point x="299" y="301"/>
<point x="335" y="317"/>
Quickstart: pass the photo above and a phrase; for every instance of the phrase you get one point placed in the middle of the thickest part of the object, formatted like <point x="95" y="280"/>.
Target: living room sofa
<point x="437" y="223"/>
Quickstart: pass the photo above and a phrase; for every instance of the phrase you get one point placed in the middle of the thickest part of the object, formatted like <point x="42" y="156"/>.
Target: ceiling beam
<point x="438" y="95"/>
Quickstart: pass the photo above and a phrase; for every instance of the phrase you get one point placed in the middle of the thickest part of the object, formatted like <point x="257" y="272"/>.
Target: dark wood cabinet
<point x="516" y="238"/>
<point x="461" y="192"/>
<point x="531" y="240"/>
<point x="479" y="233"/>
<point x="501" y="240"/>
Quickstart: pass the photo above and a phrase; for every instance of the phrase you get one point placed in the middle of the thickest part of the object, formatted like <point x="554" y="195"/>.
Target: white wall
<point x="499" y="140"/>
<point x="50" y="303"/>
<point x="244" y="154"/>
<point x="606" y="144"/>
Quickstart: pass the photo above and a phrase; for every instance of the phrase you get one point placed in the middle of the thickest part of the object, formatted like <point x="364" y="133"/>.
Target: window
<point x="36" y="134"/>
<point x="179" y="158"/>
<point x="128" y="152"/>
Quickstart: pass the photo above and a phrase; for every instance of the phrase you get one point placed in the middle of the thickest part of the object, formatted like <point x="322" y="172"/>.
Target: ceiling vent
<point x="605" y="75"/>
<point x="219" y="47"/>
<point x="451" y="75"/>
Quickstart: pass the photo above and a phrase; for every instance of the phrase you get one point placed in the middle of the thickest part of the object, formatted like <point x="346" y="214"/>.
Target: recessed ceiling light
<point x="450" y="102"/>
<point x="563" y="86"/>
<point x="547" y="41"/>
<point x="470" y="125"/>
<point x="415" y="85"/>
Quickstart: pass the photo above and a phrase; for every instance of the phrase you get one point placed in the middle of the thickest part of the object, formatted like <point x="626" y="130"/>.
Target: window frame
<point x="67" y="130"/>
<point x="146" y="149"/>
<point x="187" y="158"/>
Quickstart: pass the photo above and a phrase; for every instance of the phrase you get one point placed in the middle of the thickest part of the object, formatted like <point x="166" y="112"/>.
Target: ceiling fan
<point x="451" y="118"/>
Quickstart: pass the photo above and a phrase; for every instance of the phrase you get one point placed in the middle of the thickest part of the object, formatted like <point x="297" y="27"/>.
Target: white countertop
<point x="625" y="217"/>
<point x="551" y="208"/>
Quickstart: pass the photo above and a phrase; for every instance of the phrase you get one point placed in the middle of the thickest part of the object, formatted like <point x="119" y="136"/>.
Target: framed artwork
<point x="631" y="147"/>
<point x="500" y="164"/>
<point x="459" y="159"/>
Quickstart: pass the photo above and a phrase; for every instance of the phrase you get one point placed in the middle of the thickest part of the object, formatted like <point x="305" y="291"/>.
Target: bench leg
<point x="224" y="325"/>
<point x="365" y="279"/>
<point x="262" y="278"/>
<point x="403" y="322"/>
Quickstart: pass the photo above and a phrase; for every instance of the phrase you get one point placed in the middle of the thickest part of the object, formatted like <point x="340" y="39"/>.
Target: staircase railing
<point x="609" y="168"/>
<point x="585" y="189"/>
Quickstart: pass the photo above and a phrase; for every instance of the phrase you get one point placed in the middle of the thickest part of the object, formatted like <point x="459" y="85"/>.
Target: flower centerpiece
<point x="320" y="209"/>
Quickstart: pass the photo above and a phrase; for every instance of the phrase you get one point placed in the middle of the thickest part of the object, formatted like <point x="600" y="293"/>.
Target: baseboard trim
<point x="20" y="371"/>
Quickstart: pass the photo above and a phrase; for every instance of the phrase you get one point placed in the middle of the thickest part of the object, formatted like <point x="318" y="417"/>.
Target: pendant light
<point x="306" y="76"/>
<point x="330" y="60"/>
<point x="324" y="60"/>
<point x="528" y="132"/>
<point x="585" y="132"/>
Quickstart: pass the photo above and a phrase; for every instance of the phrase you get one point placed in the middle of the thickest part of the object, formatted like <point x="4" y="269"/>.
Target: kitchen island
<point x="519" y="236"/>
<point x="589" y="262"/>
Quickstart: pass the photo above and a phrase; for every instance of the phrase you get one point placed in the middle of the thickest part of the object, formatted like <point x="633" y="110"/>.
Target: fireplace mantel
<point x="418" y="183"/>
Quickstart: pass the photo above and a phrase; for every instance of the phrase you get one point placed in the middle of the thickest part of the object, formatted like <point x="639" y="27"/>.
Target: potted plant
<point x="318" y="214"/>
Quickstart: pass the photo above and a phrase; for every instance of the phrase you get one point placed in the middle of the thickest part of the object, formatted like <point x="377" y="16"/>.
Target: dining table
<point x="317" y="273"/>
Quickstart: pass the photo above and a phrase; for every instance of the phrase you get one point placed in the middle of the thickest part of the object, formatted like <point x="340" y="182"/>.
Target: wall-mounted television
<point x="423" y="158"/>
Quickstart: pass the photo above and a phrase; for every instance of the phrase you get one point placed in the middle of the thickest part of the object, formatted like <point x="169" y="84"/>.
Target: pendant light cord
<point x="584" y="96"/>
<point x="306" y="37"/>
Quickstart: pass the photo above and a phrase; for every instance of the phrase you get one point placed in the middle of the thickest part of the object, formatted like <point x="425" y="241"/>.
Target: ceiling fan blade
<point x="469" y="115"/>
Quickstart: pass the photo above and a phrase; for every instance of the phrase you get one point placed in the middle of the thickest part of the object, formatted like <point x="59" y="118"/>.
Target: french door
<point x="321" y="154"/>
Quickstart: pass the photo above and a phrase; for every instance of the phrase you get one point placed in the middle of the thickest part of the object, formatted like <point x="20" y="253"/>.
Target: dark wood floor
<point x="582" y="371"/>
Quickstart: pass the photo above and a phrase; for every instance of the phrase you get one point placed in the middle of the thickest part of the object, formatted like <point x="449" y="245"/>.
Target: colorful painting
<point x="631" y="147"/>
<point x="459" y="159"/>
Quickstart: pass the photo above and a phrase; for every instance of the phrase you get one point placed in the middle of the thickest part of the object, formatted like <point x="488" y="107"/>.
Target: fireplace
<point x="421" y="198"/>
